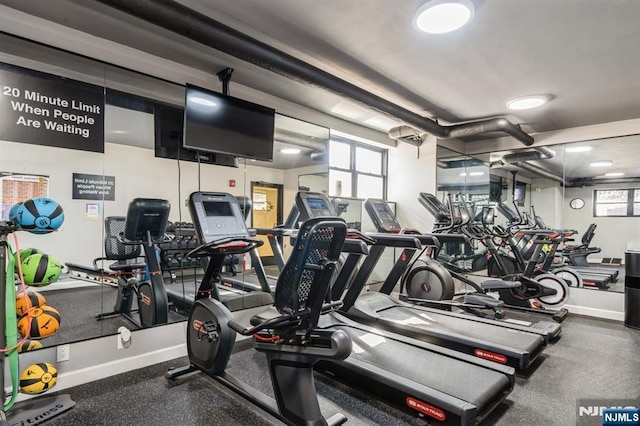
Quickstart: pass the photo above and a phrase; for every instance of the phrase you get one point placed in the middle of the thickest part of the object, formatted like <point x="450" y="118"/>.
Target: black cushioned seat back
<point x="301" y="287"/>
<point x="588" y="235"/>
<point x="114" y="249"/>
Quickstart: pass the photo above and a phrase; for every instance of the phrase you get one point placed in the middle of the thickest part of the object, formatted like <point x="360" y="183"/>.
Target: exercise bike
<point x="144" y="226"/>
<point x="287" y="332"/>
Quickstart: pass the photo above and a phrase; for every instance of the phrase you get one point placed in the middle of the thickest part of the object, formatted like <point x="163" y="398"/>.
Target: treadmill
<point x="512" y="346"/>
<point x="215" y="216"/>
<point x="417" y="377"/>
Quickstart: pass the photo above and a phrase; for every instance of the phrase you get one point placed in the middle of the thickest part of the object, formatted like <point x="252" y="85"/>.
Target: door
<point x="266" y="213"/>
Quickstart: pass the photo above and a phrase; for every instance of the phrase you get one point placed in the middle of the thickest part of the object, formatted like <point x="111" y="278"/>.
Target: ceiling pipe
<point x="406" y="134"/>
<point x="541" y="172"/>
<point x="297" y="139"/>
<point x="201" y="28"/>
<point x="577" y="183"/>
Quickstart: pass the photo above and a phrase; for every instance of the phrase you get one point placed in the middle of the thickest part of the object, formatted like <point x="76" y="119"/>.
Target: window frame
<point x="631" y="192"/>
<point x="352" y="165"/>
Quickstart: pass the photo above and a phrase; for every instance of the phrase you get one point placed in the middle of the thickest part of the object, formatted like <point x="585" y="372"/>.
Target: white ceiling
<point x="584" y="53"/>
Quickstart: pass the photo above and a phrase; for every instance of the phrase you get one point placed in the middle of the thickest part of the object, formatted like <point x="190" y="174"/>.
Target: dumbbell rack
<point x="41" y="408"/>
<point x="173" y="253"/>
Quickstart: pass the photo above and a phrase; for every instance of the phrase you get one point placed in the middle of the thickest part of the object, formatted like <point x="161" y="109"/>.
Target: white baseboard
<point x="119" y="366"/>
<point x="595" y="312"/>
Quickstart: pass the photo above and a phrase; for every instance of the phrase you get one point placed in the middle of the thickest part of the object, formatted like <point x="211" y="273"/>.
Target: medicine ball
<point x="24" y="253"/>
<point x="38" y="378"/>
<point x="29" y="345"/>
<point x="40" y="270"/>
<point x="13" y="213"/>
<point x="40" y="215"/>
<point x="33" y="300"/>
<point x="45" y="321"/>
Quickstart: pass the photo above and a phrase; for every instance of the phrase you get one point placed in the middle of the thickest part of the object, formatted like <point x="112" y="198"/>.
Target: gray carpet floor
<point x="593" y="359"/>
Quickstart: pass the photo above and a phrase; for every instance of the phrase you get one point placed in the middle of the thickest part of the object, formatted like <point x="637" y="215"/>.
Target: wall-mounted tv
<point x="169" y="127"/>
<point x="217" y="123"/>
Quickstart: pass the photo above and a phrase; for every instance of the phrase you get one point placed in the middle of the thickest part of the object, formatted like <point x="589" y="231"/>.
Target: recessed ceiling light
<point x="463" y="174"/>
<point x="614" y="174"/>
<point x="290" y="151"/>
<point x="119" y="132"/>
<point x="443" y="16"/>
<point x="527" y="102"/>
<point x="202" y="101"/>
<point x="603" y="163"/>
<point x="582" y="148"/>
<point x="476" y="173"/>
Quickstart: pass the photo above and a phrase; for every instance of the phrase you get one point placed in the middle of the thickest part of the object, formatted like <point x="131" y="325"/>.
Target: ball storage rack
<point x="34" y="411"/>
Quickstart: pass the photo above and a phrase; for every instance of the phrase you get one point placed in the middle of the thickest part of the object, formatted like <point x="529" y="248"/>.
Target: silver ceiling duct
<point x="201" y="28"/>
<point x="297" y="139"/>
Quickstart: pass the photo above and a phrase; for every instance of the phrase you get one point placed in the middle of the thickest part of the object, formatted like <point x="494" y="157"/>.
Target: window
<point x="616" y="202"/>
<point x="356" y="170"/>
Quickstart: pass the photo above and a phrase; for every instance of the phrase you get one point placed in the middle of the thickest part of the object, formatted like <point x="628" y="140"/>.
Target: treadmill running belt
<point x="471" y="383"/>
<point x="432" y="321"/>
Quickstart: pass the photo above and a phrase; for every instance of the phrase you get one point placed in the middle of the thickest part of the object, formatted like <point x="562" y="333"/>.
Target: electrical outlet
<point x="64" y="353"/>
<point x="123" y="338"/>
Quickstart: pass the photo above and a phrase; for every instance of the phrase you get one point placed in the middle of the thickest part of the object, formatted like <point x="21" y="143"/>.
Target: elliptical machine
<point x="428" y="280"/>
<point x="286" y="332"/>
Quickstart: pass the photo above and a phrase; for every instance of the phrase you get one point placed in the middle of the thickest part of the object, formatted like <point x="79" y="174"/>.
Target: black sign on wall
<point x="45" y="109"/>
<point x="93" y="187"/>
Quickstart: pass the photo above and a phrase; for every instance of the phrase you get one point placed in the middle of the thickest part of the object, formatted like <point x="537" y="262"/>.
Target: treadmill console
<point x="216" y="215"/>
<point x="313" y="204"/>
<point x="146" y="217"/>
<point x="382" y="215"/>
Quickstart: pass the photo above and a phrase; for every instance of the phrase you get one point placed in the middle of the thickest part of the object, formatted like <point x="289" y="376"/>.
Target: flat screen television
<point x="217" y="123"/>
<point x="169" y="126"/>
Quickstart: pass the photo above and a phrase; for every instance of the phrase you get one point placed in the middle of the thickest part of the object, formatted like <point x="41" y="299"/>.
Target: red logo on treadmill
<point x="490" y="356"/>
<point x="197" y="324"/>
<point x="145" y="299"/>
<point x="425" y="408"/>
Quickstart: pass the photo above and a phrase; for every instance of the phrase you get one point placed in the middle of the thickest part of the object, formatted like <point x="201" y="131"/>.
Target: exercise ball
<point x="40" y="270"/>
<point x="29" y="345"/>
<point x="38" y="378"/>
<point x="24" y="253"/>
<point x="13" y="213"/>
<point x="33" y="300"/>
<point x="40" y="215"/>
<point x="45" y="321"/>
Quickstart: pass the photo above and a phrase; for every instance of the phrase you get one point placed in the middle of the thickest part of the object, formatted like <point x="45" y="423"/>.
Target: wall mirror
<point x="463" y="182"/>
<point x="591" y="187"/>
<point x="141" y="138"/>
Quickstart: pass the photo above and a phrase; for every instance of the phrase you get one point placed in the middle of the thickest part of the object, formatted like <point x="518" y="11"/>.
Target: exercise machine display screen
<point x="216" y="216"/>
<point x="382" y="216"/>
<point x="217" y="208"/>
<point x="313" y="204"/>
<point x="319" y="207"/>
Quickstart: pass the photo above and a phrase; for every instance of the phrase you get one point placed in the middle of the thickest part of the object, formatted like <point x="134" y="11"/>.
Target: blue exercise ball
<point x="13" y="213"/>
<point x="40" y="215"/>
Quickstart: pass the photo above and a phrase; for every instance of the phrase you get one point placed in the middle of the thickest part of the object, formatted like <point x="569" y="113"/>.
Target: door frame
<point x="270" y="260"/>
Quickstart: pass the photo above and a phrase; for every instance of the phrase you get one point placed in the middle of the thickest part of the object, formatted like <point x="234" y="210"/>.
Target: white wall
<point x="412" y="170"/>
<point x="546" y="197"/>
<point x="78" y="240"/>
<point x="138" y="174"/>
